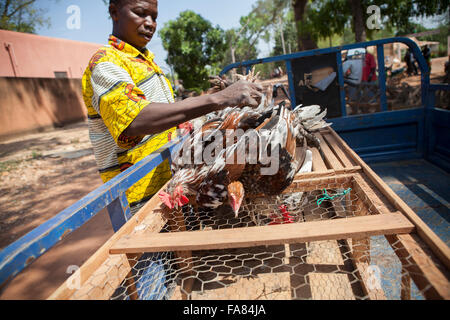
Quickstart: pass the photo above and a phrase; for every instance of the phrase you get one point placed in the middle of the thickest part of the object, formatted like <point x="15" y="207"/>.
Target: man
<point x="130" y="103"/>
<point x="411" y="63"/>
<point x="407" y="59"/>
<point x="369" y="69"/>
<point x="427" y="55"/>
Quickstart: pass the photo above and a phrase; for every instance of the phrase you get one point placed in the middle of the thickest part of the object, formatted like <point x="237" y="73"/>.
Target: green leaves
<point x="22" y="16"/>
<point x="326" y="18"/>
<point x="193" y="44"/>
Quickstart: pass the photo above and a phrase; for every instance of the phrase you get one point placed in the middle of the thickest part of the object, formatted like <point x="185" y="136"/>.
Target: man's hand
<point x="158" y="117"/>
<point x="240" y="94"/>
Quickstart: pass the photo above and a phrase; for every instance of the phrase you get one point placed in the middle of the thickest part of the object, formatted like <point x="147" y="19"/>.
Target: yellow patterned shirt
<point x="118" y="83"/>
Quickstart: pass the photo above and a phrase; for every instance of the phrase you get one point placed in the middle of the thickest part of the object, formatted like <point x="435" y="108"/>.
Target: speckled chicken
<point x="226" y="180"/>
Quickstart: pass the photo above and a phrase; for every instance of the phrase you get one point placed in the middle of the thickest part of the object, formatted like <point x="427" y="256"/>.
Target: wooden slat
<point x="268" y="235"/>
<point x="374" y="292"/>
<point x="130" y="281"/>
<point x="361" y="247"/>
<point x="368" y="197"/>
<point x="360" y="261"/>
<point x="414" y="260"/>
<point x="405" y="293"/>
<point x="318" y="164"/>
<point x="439" y="248"/>
<point x="330" y="159"/>
<point x="422" y="269"/>
<point x="327" y="173"/>
<point x="341" y="181"/>
<point x="343" y="157"/>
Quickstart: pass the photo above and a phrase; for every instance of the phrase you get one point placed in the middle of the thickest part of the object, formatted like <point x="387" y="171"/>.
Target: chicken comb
<point x="166" y="199"/>
<point x="182" y="199"/>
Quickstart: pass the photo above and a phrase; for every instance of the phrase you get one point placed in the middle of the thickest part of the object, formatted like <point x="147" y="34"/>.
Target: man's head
<point x="134" y="21"/>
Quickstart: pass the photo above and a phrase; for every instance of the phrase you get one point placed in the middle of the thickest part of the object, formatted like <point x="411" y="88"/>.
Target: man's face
<point x="135" y="21"/>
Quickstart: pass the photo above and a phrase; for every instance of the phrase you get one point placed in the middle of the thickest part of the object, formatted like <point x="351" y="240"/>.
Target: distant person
<point x="179" y="89"/>
<point x="277" y="72"/>
<point x="369" y="69"/>
<point x="369" y="77"/>
<point x="353" y="68"/>
<point x="407" y="59"/>
<point x="427" y="55"/>
<point x="130" y="102"/>
<point x="447" y="71"/>
<point x="411" y="63"/>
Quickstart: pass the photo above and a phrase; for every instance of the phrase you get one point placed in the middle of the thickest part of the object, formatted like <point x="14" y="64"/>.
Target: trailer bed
<point x="424" y="187"/>
<point x="364" y="257"/>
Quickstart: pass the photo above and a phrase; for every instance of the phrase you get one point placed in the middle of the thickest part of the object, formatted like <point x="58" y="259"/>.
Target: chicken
<point x="280" y="134"/>
<point x="276" y="128"/>
<point x="188" y="171"/>
<point x="226" y="180"/>
<point x="182" y="188"/>
<point x="220" y="183"/>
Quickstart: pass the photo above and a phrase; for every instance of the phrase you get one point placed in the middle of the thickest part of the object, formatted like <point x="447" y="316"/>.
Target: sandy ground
<point x="437" y="72"/>
<point x="41" y="174"/>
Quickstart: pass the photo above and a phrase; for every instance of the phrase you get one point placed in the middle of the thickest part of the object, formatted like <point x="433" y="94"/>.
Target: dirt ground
<point x="437" y="72"/>
<point x="43" y="173"/>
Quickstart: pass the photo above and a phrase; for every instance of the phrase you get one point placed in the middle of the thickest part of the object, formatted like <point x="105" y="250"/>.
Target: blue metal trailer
<point x="406" y="147"/>
<point x="417" y="141"/>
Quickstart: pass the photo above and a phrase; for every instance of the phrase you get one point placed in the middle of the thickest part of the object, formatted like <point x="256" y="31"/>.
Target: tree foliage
<point x="334" y="16"/>
<point x="22" y="16"/>
<point x="241" y="46"/>
<point x="259" y="24"/>
<point x="192" y="44"/>
<point x="289" y="30"/>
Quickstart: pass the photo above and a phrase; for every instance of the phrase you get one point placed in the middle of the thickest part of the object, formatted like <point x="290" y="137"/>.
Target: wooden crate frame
<point x="335" y="161"/>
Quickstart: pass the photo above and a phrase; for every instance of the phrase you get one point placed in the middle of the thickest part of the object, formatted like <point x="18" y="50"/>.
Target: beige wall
<point x="33" y="56"/>
<point x="28" y="104"/>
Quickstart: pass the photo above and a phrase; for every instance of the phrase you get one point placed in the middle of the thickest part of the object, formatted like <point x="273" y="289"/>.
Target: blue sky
<point x="95" y="25"/>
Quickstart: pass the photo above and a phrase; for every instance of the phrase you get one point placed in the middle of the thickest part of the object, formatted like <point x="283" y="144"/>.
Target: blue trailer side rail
<point x="425" y="75"/>
<point x="111" y="195"/>
<point x="386" y="135"/>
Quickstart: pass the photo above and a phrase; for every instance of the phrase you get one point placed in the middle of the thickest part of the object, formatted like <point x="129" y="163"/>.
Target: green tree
<point x="239" y="47"/>
<point x="323" y="19"/>
<point x="22" y="16"/>
<point x="193" y="44"/>
<point x="305" y="29"/>
<point x="286" y="35"/>
<point x="395" y="14"/>
<point x="265" y="20"/>
<point x="257" y="25"/>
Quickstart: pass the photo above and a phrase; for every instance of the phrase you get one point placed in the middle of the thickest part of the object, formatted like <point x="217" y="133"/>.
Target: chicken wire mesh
<point x="343" y="269"/>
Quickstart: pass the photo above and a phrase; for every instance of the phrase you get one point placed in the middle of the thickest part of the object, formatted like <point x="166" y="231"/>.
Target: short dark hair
<point x="116" y="2"/>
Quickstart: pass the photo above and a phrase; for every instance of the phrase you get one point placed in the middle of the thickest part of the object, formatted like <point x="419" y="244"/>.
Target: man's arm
<point x="158" y="117"/>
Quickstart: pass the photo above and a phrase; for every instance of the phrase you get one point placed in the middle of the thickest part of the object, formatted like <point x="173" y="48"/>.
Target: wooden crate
<point x="319" y="258"/>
